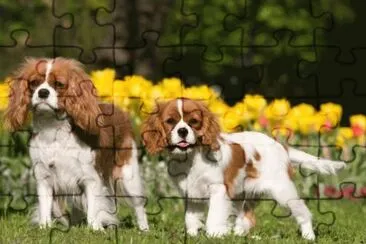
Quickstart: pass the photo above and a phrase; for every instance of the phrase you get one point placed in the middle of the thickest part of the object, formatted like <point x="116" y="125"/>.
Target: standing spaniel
<point x="78" y="147"/>
<point x="205" y="163"/>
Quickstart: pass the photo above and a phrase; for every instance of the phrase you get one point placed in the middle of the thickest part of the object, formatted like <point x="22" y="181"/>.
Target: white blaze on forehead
<point x="180" y="108"/>
<point x="48" y="69"/>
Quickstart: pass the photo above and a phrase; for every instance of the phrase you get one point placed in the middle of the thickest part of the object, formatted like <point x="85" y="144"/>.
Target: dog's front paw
<point x="309" y="235"/>
<point x="241" y="231"/>
<point x="95" y="225"/>
<point x="192" y="231"/>
<point x="143" y="227"/>
<point x="45" y="225"/>
<point x="217" y="231"/>
<point x="307" y="232"/>
<point x="242" y="226"/>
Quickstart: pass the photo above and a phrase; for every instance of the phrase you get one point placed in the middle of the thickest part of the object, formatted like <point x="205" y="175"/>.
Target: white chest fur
<point x="195" y="173"/>
<point x="59" y="157"/>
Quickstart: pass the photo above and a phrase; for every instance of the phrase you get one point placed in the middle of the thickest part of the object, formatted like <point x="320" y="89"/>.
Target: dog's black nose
<point x="182" y="132"/>
<point x="43" y="93"/>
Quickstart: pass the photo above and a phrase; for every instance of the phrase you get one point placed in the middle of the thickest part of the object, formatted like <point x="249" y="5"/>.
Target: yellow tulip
<point x="172" y="87"/>
<point x="218" y="107"/>
<point x="148" y="107"/>
<point x="4" y="93"/>
<point x="311" y="124"/>
<point x="302" y="109"/>
<point x="255" y="104"/>
<point x="291" y="122"/>
<point x="137" y="86"/>
<point x="231" y="121"/>
<point x="344" y="134"/>
<point x="257" y="126"/>
<point x="296" y="114"/>
<point x="192" y="93"/>
<point x="199" y="93"/>
<point x="281" y="131"/>
<point x="333" y="113"/>
<point x="155" y="93"/>
<point x="358" y="124"/>
<point x="103" y="81"/>
<point x="277" y="110"/>
<point x="121" y="95"/>
<point x="242" y="111"/>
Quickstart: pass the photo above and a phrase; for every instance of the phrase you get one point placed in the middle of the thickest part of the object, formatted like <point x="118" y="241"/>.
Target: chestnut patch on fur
<point x="251" y="217"/>
<point x="115" y="141"/>
<point x="257" y="156"/>
<point x="291" y="171"/>
<point x="237" y="162"/>
<point x="250" y="170"/>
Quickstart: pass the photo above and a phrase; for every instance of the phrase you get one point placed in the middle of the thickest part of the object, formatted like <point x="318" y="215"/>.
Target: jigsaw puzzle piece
<point x="341" y="36"/>
<point x="84" y="19"/>
<point x="243" y="78"/>
<point x="24" y="23"/>
<point x="19" y="48"/>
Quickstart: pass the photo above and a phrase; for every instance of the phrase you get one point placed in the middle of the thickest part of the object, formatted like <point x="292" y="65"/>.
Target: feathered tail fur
<point x="323" y="166"/>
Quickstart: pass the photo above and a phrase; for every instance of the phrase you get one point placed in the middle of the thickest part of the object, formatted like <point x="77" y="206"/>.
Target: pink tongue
<point x="183" y="144"/>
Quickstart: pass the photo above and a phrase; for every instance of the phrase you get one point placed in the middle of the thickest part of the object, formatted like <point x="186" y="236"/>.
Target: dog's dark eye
<point x="33" y="84"/>
<point x="193" y="122"/>
<point x="170" y="121"/>
<point x="59" y="84"/>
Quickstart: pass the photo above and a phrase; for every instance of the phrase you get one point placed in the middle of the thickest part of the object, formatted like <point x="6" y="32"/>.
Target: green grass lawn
<point x="167" y="226"/>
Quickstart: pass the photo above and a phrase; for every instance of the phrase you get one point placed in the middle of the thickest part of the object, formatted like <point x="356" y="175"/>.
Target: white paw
<point x="217" y="231"/>
<point x="242" y="226"/>
<point x="307" y="231"/>
<point x="241" y="231"/>
<point x="143" y="226"/>
<point x="95" y="225"/>
<point x="192" y="231"/>
<point x="309" y="235"/>
<point x="45" y="224"/>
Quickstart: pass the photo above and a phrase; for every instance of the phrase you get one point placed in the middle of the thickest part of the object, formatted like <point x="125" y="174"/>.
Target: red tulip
<point x="348" y="192"/>
<point x="357" y="130"/>
<point x="263" y="121"/>
<point x="363" y="191"/>
<point x="331" y="191"/>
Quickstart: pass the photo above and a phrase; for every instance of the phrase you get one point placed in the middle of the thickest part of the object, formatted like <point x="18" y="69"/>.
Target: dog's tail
<point x="305" y="160"/>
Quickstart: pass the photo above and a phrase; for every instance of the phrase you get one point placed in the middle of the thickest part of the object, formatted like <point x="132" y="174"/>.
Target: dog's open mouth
<point x="182" y="145"/>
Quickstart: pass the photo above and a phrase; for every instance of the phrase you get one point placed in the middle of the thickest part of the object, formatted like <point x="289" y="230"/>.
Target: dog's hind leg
<point x="286" y="195"/>
<point x="132" y="188"/>
<point x="245" y="218"/>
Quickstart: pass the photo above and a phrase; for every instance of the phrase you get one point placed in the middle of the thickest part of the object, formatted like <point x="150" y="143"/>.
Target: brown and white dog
<point x="205" y="163"/>
<point x="78" y="147"/>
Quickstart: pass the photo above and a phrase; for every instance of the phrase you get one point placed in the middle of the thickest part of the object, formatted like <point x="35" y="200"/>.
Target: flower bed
<point x="303" y="126"/>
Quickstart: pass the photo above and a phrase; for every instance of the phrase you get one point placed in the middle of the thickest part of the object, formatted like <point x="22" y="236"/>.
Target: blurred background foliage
<point x="240" y="46"/>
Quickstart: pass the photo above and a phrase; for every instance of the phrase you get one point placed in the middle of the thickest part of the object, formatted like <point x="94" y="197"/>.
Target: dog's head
<point x="180" y="125"/>
<point x="50" y="87"/>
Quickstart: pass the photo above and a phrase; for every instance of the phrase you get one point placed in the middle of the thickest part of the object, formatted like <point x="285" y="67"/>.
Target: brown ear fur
<point x="210" y="130"/>
<point x="17" y="111"/>
<point x="153" y="134"/>
<point x="19" y="97"/>
<point x="81" y="102"/>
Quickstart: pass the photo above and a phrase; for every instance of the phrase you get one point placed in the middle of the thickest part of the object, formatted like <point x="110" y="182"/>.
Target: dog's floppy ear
<point x="210" y="130"/>
<point x="153" y="134"/>
<point x="19" y="95"/>
<point x="81" y="101"/>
